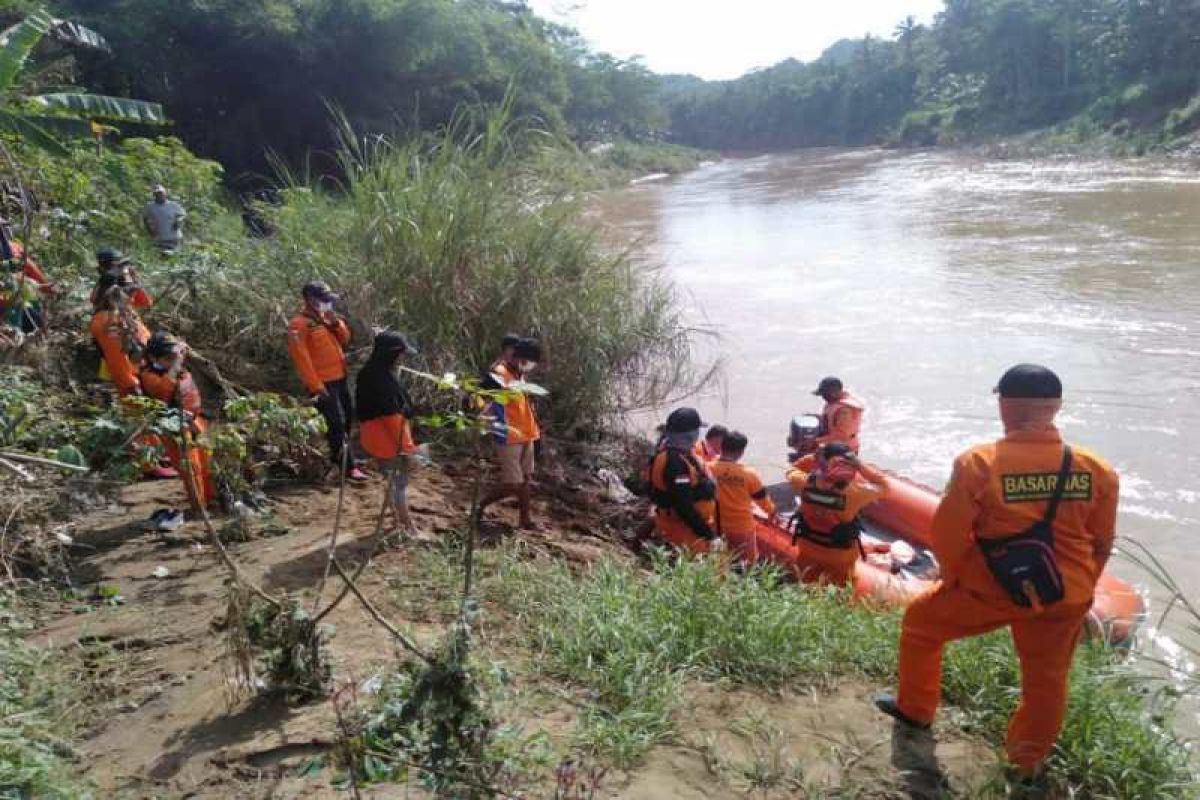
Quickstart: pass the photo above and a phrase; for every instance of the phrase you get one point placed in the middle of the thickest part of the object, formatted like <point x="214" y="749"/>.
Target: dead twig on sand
<point x="403" y="640"/>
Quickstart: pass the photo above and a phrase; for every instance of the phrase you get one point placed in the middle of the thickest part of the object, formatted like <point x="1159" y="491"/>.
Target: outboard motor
<point x="802" y="435"/>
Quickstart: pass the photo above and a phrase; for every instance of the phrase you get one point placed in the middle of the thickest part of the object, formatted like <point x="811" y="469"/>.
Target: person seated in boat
<point x="833" y="487"/>
<point x="1022" y="534"/>
<point x="708" y="449"/>
<point x="680" y="485"/>
<point x="739" y="489"/>
<point x="842" y="416"/>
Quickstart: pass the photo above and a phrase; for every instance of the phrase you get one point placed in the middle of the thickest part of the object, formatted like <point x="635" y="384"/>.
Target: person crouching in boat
<point x="842" y="416"/>
<point x="1022" y="536"/>
<point x="680" y="486"/>
<point x="739" y="490"/>
<point x="384" y="412"/>
<point x="833" y="487"/>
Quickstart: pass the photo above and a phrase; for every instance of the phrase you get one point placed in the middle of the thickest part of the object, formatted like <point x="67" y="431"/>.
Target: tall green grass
<point x="456" y="240"/>
<point x="634" y="639"/>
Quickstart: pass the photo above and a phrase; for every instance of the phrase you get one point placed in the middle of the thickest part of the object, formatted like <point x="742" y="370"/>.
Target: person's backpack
<point x="1025" y="564"/>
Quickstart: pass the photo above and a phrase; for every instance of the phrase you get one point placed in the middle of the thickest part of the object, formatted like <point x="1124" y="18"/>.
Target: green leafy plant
<point x="264" y="430"/>
<point x="40" y="118"/>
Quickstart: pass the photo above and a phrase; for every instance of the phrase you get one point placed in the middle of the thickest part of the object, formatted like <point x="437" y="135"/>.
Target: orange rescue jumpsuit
<point x="833" y="564"/>
<point x="316" y="350"/>
<point x="113" y="336"/>
<point x="739" y="490"/>
<point x="998" y="490"/>
<point x="683" y="500"/>
<point x="842" y="420"/>
<point x="182" y="393"/>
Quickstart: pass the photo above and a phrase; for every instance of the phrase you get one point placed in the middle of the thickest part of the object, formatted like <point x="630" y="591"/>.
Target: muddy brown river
<point x="919" y="278"/>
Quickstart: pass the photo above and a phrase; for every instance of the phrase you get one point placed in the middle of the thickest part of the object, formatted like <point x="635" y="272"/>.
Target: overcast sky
<point x="722" y="39"/>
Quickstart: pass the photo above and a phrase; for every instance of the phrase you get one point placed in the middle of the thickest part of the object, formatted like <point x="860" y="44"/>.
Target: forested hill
<point x="240" y="77"/>
<point x="984" y="67"/>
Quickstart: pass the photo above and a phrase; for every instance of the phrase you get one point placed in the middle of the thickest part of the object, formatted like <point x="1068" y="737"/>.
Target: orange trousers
<point x="1045" y="642"/>
<point x="825" y="565"/>
<point x="674" y="530"/>
<point x="201" y="489"/>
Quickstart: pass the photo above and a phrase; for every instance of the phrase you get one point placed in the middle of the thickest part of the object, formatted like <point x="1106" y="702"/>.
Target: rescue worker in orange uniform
<point x="834" y="487"/>
<point x="709" y="449"/>
<point x="842" y="416"/>
<point x="739" y="490"/>
<point x="1019" y="547"/>
<point x="317" y="337"/>
<point x="119" y="333"/>
<point x="515" y="429"/>
<point x="23" y="288"/>
<point x="121" y="337"/>
<point x="384" y="413"/>
<point x="681" y="488"/>
<point x="165" y="377"/>
<point x="114" y="262"/>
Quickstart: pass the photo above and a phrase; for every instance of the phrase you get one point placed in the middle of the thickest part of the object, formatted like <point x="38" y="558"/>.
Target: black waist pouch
<point x="1025" y="565"/>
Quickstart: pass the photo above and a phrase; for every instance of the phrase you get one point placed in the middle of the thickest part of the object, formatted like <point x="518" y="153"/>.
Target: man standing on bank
<point x="317" y="338"/>
<point x="163" y="219"/>
<point x="1022" y="535"/>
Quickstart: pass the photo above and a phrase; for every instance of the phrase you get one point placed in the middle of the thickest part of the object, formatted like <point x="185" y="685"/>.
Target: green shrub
<point x="455" y="241"/>
<point x="1184" y="119"/>
<point x="36" y="696"/>
<point x="91" y="199"/>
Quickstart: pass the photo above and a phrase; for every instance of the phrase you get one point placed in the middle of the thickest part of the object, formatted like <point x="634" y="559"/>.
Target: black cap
<point x="684" y="420"/>
<point x="829" y="385"/>
<point x="318" y="290"/>
<point x="509" y="340"/>
<point x="1029" y="381"/>
<point x="528" y="350"/>
<point x="110" y="257"/>
<point x="161" y="343"/>
<point x="393" y="343"/>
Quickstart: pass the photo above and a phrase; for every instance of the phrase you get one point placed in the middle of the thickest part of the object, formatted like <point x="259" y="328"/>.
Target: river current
<point x="919" y="278"/>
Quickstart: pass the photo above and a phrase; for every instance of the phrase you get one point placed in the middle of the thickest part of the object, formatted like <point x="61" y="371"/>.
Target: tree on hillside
<point x="41" y="118"/>
<point x="906" y="34"/>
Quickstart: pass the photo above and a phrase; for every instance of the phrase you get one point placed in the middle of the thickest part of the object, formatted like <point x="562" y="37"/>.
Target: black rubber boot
<point x="887" y="704"/>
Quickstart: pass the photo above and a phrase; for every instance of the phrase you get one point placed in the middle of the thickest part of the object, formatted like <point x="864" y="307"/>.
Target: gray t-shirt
<point x="165" y="221"/>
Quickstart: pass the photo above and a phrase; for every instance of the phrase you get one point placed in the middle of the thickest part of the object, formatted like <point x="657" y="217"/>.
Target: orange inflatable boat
<point x="897" y="562"/>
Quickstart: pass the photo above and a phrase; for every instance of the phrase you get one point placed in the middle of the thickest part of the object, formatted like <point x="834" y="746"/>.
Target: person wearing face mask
<point x="834" y="487"/>
<point x="164" y="376"/>
<point x="1022" y="535"/>
<point x="515" y="430"/>
<point x="384" y="412"/>
<point x="681" y="488"/>
<point x="317" y="337"/>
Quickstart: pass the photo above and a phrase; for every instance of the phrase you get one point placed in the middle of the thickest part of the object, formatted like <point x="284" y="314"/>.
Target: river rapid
<point x="919" y="278"/>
